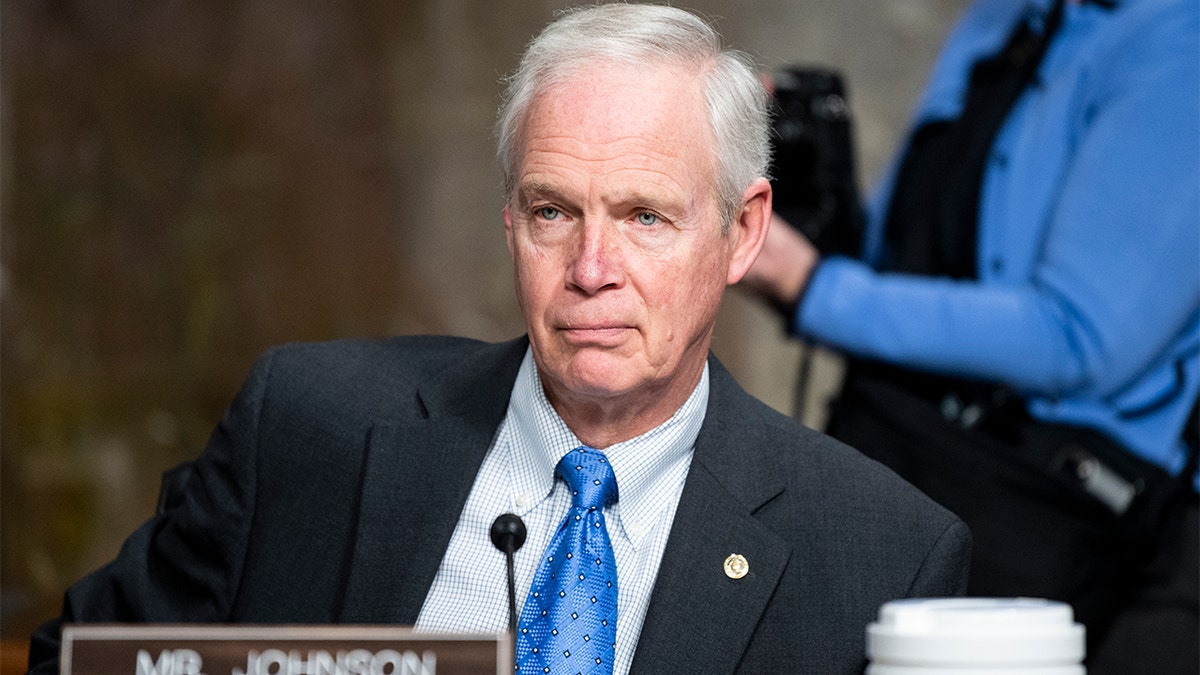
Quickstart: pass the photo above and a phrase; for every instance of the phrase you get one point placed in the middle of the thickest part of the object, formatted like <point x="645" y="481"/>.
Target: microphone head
<point x="508" y="532"/>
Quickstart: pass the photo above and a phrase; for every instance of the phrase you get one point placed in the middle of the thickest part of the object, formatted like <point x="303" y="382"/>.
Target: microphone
<point x="508" y="535"/>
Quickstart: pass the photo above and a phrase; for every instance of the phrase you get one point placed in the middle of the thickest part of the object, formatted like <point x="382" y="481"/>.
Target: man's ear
<point x="749" y="228"/>
<point x="508" y="231"/>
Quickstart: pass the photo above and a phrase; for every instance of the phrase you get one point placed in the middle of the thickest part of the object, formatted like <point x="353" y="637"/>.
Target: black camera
<point x="812" y="165"/>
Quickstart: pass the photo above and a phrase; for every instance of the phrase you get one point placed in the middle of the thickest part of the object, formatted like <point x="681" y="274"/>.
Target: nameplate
<point x="193" y="649"/>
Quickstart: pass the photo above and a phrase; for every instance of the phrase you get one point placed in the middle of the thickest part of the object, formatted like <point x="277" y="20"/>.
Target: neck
<point x="600" y="422"/>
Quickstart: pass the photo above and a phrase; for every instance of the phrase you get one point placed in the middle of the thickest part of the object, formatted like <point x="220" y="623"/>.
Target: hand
<point x="783" y="266"/>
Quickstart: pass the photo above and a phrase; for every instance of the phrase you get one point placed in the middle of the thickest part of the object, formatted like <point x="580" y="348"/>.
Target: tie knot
<point x="590" y="477"/>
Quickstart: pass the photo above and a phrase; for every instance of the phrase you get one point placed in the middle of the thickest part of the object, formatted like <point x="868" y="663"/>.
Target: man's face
<point x="615" y="236"/>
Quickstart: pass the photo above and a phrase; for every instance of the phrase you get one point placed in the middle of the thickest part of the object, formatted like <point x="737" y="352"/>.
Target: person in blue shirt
<point x="1022" y="325"/>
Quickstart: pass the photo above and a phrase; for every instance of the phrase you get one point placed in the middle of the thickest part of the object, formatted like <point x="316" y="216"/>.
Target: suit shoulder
<point x="396" y="353"/>
<point x="848" y="478"/>
<point x="367" y="376"/>
<point x="825" y="474"/>
<point x="853" y="508"/>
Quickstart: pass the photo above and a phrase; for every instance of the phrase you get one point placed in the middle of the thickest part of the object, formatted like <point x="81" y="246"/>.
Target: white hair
<point x="649" y="35"/>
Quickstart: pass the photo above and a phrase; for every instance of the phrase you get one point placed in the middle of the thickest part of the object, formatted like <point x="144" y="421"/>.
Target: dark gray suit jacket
<point x="330" y="489"/>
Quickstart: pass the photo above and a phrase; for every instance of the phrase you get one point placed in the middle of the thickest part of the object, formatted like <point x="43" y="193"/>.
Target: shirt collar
<point x="540" y="439"/>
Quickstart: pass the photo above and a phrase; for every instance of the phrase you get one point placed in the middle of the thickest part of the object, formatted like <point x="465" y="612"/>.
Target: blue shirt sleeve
<point x="1089" y="233"/>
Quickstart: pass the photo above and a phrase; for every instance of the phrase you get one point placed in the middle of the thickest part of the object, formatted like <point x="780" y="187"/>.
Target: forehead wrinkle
<point x="644" y="171"/>
<point x="663" y="162"/>
<point x="621" y="173"/>
<point x="655" y="185"/>
<point x="645" y="195"/>
<point x="604" y="150"/>
<point x="616" y="193"/>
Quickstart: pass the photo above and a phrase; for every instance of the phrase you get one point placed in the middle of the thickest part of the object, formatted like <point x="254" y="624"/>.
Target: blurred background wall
<point x="184" y="183"/>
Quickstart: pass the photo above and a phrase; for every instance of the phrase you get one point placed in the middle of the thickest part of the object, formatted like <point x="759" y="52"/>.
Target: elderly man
<point x="700" y="531"/>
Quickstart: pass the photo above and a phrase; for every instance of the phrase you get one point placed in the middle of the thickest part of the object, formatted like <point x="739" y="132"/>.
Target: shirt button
<point x="636" y="529"/>
<point x="523" y="500"/>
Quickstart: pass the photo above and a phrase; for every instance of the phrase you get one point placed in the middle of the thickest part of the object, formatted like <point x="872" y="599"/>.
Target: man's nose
<point x="598" y="261"/>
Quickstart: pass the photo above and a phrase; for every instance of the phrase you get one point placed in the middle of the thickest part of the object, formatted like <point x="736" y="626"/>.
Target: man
<point x="355" y="482"/>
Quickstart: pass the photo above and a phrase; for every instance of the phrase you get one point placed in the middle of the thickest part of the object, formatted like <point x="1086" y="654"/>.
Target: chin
<point x="600" y="375"/>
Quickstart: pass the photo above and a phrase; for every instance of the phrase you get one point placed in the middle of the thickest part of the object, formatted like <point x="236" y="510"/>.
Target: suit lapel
<point x="418" y="474"/>
<point x="700" y="619"/>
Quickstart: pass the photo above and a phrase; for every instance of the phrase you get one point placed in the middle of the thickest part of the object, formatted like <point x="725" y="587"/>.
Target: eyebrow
<point x="527" y="190"/>
<point x="654" y="200"/>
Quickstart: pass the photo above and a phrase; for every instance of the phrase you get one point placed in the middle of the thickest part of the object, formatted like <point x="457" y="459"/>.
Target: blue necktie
<point x="569" y="622"/>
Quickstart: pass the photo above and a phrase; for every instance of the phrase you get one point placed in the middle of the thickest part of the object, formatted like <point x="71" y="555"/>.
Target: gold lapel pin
<point x="736" y="566"/>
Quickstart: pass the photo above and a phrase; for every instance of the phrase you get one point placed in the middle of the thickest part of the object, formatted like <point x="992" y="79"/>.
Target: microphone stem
<point x="512" y="593"/>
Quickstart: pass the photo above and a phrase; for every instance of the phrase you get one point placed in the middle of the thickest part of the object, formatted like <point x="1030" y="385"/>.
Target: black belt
<point x="1105" y="468"/>
<point x="969" y="404"/>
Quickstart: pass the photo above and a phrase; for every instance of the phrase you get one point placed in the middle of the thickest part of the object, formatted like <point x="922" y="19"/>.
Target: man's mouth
<point x="595" y="333"/>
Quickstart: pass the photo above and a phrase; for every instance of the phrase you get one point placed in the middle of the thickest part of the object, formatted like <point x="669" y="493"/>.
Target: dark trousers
<point x="1131" y="577"/>
<point x="1156" y="632"/>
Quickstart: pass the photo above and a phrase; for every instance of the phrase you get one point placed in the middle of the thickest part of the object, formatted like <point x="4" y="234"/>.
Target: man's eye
<point x="548" y="213"/>
<point x="647" y="218"/>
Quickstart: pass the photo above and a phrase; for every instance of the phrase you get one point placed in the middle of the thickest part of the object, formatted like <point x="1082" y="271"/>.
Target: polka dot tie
<point x="569" y="623"/>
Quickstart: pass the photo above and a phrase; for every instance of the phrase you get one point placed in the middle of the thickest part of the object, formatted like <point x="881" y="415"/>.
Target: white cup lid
<point x="974" y="632"/>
